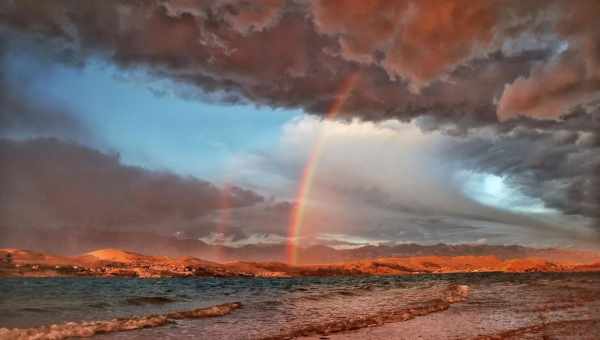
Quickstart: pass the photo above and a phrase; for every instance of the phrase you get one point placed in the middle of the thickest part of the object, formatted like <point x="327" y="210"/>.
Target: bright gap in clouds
<point x="495" y="191"/>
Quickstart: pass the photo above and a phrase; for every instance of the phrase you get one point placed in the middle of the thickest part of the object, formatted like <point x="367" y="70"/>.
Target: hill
<point x="116" y="262"/>
<point x="69" y="241"/>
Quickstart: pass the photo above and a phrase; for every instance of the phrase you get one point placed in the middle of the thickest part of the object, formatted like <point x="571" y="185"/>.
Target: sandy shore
<point x="448" y="326"/>
<point x="525" y="311"/>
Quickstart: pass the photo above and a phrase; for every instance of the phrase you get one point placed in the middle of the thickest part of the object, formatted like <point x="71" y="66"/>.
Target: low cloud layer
<point x="50" y="183"/>
<point x="22" y="117"/>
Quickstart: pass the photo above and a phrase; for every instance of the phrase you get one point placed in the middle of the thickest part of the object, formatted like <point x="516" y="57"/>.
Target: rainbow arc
<point x="308" y="173"/>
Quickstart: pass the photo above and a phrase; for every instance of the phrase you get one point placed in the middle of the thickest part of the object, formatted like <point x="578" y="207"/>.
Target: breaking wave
<point x="354" y="291"/>
<point x="90" y="328"/>
<point x="453" y="294"/>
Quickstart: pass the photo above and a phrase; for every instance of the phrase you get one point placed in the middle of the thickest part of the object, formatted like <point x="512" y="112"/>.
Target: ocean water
<point x="270" y="307"/>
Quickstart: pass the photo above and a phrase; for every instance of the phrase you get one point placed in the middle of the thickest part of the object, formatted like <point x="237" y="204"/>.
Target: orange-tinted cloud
<point x="416" y="40"/>
<point x="569" y="79"/>
<point x="550" y="90"/>
<point x="295" y="54"/>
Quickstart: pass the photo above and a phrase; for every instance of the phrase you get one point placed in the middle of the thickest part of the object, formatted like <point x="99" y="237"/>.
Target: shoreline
<point x="49" y="275"/>
<point x="90" y="328"/>
<point x="119" y="263"/>
<point x="533" y="309"/>
<point x="440" y="326"/>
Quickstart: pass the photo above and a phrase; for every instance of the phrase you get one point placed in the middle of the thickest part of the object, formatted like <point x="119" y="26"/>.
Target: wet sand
<point x="540" y="309"/>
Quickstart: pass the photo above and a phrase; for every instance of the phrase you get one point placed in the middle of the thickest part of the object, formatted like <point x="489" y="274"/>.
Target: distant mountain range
<point x="121" y="263"/>
<point x="75" y="242"/>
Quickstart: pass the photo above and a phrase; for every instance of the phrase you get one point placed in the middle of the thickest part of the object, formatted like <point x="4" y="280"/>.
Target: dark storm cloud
<point x="569" y="78"/>
<point x="48" y="182"/>
<point x="22" y="116"/>
<point x="513" y="67"/>
<point x="449" y="57"/>
<point x="417" y="40"/>
<point x="19" y="118"/>
<point x="556" y="161"/>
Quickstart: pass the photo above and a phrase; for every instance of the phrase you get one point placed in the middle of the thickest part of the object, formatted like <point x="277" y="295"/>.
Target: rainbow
<point x="224" y="206"/>
<point x="308" y="173"/>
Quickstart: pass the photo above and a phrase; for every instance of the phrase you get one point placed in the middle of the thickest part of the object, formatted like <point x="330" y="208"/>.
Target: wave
<point x="36" y="310"/>
<point x="324" y="296"/>
<point x="572" y="329"/>
<point x="148" y="300"/>
<point x="90" y="328"/>
<point x="453" y="294"/>
<point x="99" y="305"/>
<point x="354" y="291"/>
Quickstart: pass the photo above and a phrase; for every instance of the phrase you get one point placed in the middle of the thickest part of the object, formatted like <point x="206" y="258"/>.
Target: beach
<point x="536" y="309"/>
<point x="441" y="306"/>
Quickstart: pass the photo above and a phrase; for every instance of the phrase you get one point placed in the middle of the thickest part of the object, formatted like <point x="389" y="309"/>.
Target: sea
<point x="273" y="308"/>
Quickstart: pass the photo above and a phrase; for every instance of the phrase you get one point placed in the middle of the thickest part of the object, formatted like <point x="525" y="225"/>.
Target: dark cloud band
<point x="48" y="182"/>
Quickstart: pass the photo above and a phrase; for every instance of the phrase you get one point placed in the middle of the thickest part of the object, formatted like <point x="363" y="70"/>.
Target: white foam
<point x="90" y="328"/>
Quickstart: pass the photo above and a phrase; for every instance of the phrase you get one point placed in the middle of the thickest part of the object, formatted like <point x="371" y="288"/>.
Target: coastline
<point x="120" y="263"/>
<point x="91" y="328"/>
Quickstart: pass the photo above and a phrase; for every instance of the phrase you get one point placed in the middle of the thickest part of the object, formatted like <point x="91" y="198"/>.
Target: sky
<point x="340" y="123"/>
